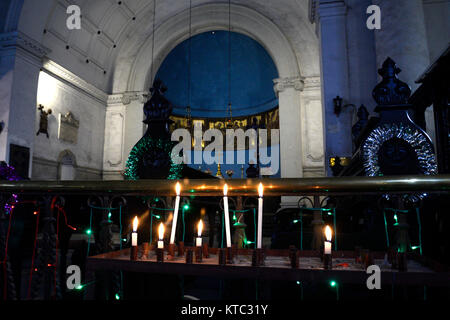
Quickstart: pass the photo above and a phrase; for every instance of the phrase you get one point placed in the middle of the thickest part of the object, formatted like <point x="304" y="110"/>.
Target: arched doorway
<point x="66" y="166"/>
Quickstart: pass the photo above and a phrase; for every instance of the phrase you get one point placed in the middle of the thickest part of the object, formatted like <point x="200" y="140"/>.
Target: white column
<point x="123" y="129"/>
<point x="334" y="74"/>
<point x="288" y="91"/>
<point x="20" y="62"/>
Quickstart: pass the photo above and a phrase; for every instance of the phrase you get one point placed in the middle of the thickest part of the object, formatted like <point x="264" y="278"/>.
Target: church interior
<point x="224" y="150"/>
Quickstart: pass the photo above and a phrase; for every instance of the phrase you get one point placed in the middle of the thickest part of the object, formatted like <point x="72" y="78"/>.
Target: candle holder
<point x="222" y="257"/>
<point x="292" y="251"/>
<point x="402" y="262"/>
<point x="392" y="257"/>
<point x="171" y="250"/>
<point x="159" y="255"/>
<point x="229" y="255"/>
<point x="321" y="252"/>
<point x="357" y="254"/>
<point x="234" y="250"/>
<point x="255" y="258"/>
<point x="198" y="254"/>
<point x="189" y="256"/>
<point x="205" y="249"/>
<point x="133" y="253"/>
<point x="327" y="262"/>
<point x="368" y="258"/>
<point x="258" y="257"/>
<point x="145" y="249"/>
<point x="294" y="256"/>
<point x="180" y="248"/>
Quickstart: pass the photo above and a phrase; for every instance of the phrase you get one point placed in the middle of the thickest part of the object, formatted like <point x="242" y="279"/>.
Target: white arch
<point x="205" y="18"/>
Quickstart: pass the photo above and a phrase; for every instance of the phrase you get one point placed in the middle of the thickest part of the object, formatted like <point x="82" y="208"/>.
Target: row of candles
<point x="198" y="240"/>
<point x="200" y="225"/>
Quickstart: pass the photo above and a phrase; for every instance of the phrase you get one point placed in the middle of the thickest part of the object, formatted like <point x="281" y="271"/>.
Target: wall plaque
<point x="68" y="128"/>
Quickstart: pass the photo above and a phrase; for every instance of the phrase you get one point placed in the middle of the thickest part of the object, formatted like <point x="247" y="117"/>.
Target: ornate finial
<point x="391" y="91"/>
<point x="158" y="107"/>
<point x="219" y="172"/>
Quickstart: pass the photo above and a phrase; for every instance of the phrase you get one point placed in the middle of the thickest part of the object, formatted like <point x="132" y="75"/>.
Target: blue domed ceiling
<point x="252" y="72"/>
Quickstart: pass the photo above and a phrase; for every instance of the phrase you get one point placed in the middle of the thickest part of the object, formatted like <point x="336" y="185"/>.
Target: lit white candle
<point x="175" y="213"/>
<point x="198" y="240"/>
<point x="161" y="236"/>
<point x="260" y="215"/>
<point x="227" y="215"/>
<point x="134" y="237"/>
<point x="328" y="240"/>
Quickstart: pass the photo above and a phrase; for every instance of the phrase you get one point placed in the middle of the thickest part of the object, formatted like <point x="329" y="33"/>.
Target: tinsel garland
<point x="144" y="145"/>
<point x="413" y="136"/>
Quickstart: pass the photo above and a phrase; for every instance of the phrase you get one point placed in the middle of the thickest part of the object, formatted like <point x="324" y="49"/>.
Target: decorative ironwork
<point x="424" y="151"/>
<point x="150" y="157"/>
<point x="397" y="145"/>
<point x="391" y="91"/>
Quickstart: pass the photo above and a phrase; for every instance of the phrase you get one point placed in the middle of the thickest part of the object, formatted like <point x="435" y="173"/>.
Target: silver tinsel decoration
<point x="412" y="135"/>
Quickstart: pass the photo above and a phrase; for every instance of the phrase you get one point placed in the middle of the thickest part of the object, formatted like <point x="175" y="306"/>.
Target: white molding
<point x="61" y="73"/>
<point x="18" y="40"/>
<point x="125" y="98"/>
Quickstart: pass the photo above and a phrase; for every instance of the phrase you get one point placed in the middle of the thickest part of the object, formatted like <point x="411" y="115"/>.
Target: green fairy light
<point x="88" y="231"/>
<point x="117" y="296"/>
<point x="141" y="148"/>
<point x="333" y="283"/>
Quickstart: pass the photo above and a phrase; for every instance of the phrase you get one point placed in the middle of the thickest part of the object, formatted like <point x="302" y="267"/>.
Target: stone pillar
<point x="403" y="38"/>
<point x="331" y="27"/>
<point x="288" y="91"/>
<point x="20" y="61"/>
<point x="123" y="129"/>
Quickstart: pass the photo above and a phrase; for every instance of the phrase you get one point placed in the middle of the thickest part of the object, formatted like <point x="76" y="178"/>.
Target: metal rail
<point x="244" y="187"/>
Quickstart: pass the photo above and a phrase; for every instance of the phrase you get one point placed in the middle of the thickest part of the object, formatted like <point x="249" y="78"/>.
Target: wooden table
<point x="277" y="267"/>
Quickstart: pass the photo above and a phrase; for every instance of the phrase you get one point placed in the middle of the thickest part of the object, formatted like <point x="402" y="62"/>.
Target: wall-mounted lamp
<point x="337" y="102"/>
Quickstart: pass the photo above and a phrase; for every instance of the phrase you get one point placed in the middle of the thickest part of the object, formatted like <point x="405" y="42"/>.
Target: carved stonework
<point x="282" y="84"/>
<point x="68" y="128"/>
<point x="127" y="97"/>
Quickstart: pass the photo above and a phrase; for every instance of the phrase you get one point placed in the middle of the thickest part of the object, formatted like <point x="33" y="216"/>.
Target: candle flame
<point x="328" y="233"/>
<point x="260" y="189"/>
<point x="135" y="224"/>
<point x="178" y="188"/>
<point x="225" y="189"/>
<point x="161" y="231"/>
<point x="200" y="228"/>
